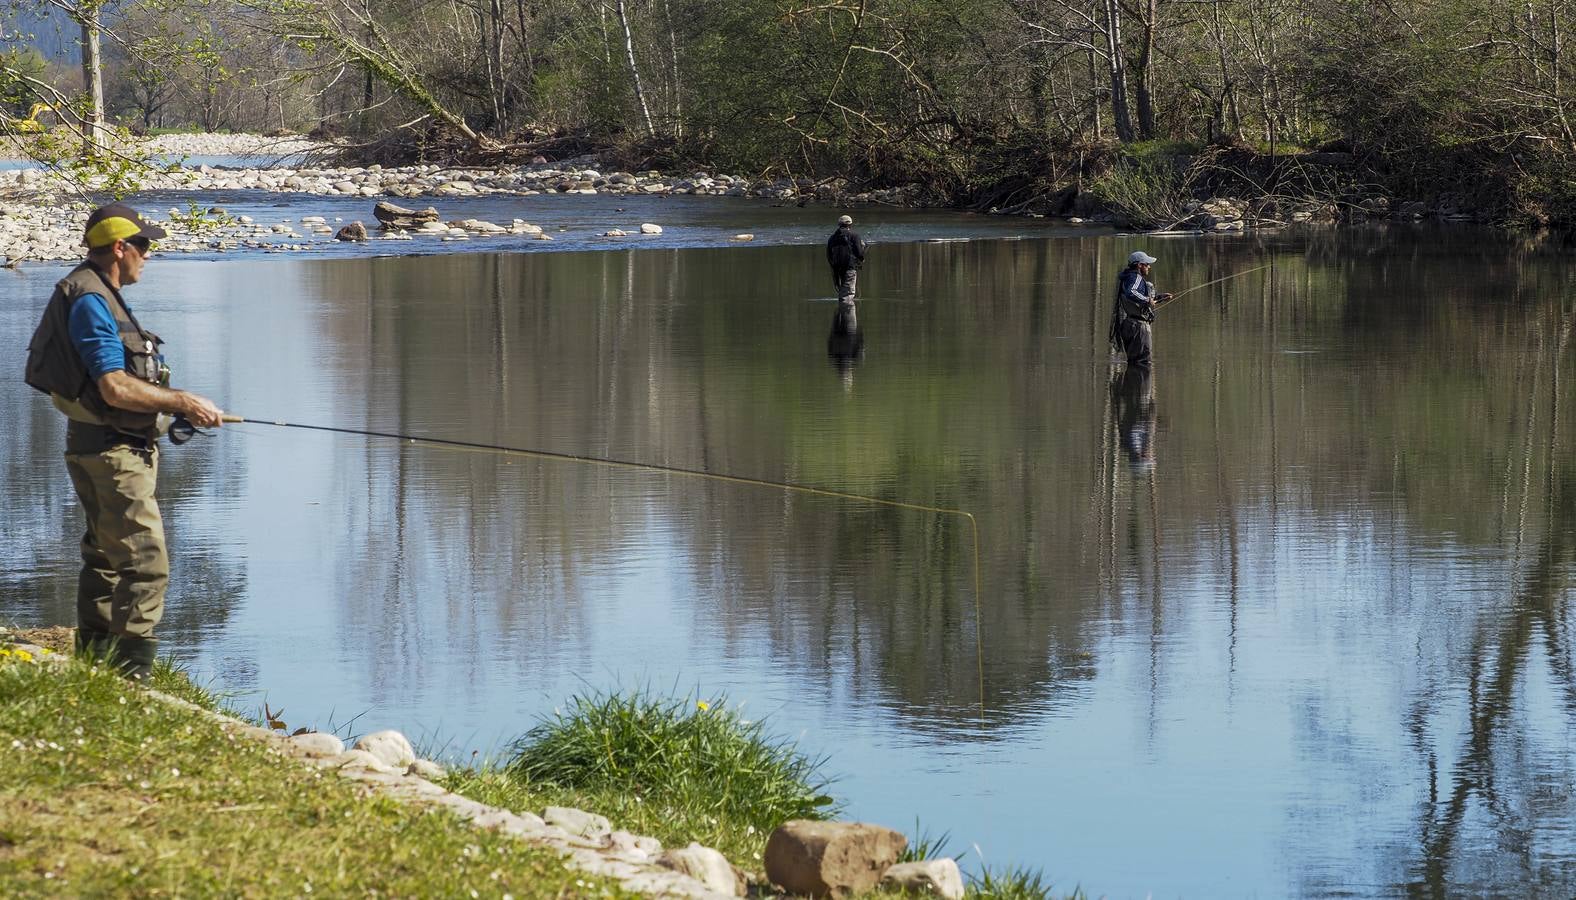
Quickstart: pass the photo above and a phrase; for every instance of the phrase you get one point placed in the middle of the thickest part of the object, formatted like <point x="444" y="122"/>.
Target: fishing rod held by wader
<point x="182" y="430"/>
<point x="1198" y="287"/>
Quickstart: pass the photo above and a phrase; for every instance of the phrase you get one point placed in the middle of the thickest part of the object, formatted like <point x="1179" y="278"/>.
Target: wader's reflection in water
<point x="1133" y="400"/>
<point x="845" y="346"/>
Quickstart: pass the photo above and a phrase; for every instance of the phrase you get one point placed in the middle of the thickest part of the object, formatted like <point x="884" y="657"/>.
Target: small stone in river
<point x="744" y="237"/>
<point x="649" y="228"/>
<point x="617" y="232"/>
<point x="355" y="231"/>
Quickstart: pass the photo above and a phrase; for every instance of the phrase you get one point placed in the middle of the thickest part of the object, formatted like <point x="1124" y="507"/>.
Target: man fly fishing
<point x="1134" y="311"/>
<point x="107" y="374"/>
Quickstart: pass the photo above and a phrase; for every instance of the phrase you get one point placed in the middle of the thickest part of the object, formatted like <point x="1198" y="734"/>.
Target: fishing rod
<point x="1180" y="294"/>
<point x="182" y="430"/>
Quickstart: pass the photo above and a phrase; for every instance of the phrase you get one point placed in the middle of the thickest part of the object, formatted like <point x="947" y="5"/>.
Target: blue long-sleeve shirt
<point x="96" y="336"/>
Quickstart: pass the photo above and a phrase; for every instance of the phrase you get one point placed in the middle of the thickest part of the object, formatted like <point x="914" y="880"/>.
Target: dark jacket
<point x="1135" y="297"/>
<point x="845" y="249"/>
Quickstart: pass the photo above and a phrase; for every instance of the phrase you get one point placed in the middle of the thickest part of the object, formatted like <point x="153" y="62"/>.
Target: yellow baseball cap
<point x="117" y="222"/>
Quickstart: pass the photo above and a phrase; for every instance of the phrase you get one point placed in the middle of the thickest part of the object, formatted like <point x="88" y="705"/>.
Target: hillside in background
<point x="49" y="31"/>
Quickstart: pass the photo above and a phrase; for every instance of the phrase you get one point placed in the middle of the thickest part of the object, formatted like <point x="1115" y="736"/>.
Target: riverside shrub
<point x="698" y="756"/>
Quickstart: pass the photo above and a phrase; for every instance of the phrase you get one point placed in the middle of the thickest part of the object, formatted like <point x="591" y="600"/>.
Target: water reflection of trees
<point x="695" y="359"/>
<point x="1498" y="795"/>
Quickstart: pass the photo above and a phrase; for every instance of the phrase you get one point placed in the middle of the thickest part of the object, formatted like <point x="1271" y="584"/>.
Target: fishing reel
<point x="181" y="430"/>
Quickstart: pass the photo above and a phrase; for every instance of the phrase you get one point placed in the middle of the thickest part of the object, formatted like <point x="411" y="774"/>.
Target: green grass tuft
<point x="923" y="845"/>
<point x="1013" y="884"/>
<point x="678" y="769"/>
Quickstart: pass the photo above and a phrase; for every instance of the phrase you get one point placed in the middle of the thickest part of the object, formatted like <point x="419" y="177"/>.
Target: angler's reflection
<point x="1133" y="400"/>
<point x="845" y="346"/>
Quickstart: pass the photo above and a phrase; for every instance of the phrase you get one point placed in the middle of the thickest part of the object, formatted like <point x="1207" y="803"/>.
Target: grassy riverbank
<point x="107" y="792"/>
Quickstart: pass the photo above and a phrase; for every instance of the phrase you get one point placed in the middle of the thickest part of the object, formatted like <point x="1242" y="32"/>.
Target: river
<point x="1287" y="618"/>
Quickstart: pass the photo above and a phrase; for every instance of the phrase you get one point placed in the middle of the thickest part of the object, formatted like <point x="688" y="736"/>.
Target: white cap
<point x="845" y="220"/>
<point x="1140" y="256"/>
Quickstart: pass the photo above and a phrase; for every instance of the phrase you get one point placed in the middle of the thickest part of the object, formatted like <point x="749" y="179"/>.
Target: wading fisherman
<point x="845" y="251"/>
<point x="106" y="373"/>
<point x="1134" y="310"/>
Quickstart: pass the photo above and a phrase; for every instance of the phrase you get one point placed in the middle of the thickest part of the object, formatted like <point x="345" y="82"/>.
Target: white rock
<point x="361" y="759"/>
<point x="932" y="876"/>
<point x="578" y="822"/>
<point x="706" y="866"/>
<point x="390" y="748"/>
<point x="426" y="768"/>
<point x="744" y="237"/>
<point x="649" y="228"/>
<point x="318" y="744"/>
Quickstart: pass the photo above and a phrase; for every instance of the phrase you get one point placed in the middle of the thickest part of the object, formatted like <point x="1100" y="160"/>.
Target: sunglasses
<point x="143" y="245"/>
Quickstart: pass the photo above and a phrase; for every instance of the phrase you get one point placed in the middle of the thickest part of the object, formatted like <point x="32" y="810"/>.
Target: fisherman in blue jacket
<point x="1134" y="310"/>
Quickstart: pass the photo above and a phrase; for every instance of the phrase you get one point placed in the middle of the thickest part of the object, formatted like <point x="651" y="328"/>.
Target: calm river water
<point x="1289" y="618"/>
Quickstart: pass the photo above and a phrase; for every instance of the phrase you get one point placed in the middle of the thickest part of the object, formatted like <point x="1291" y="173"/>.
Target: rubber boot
<point x="93" y="643"/>
<point x="134" y="657"/>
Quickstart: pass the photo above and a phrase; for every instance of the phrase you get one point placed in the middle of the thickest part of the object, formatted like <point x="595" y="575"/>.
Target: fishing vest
<point x="54" y="367"/>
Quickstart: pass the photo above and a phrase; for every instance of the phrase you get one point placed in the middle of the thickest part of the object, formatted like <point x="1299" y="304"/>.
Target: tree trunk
<point x="497" y="79"/>
<point x="1094" y="92"/>
<point x="94" y="136"/>
<point x="1113" y="58"/>
<point x="634" y="71"/>
<point x="678" y="85"/>
<point x="1146" y="53"/>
